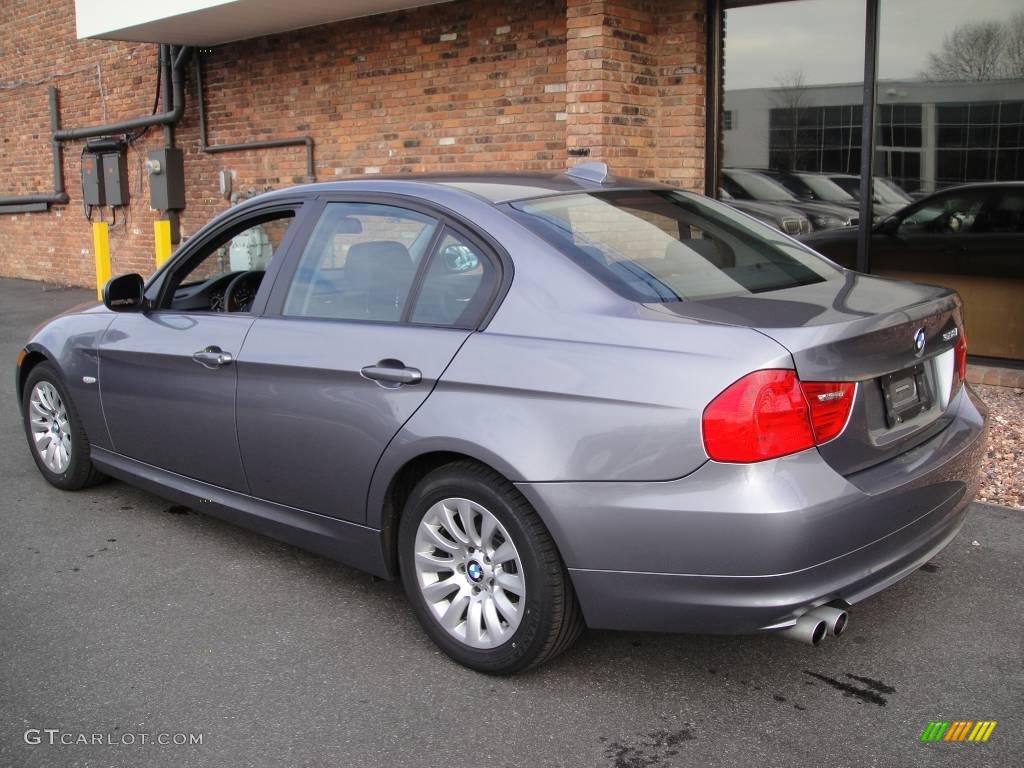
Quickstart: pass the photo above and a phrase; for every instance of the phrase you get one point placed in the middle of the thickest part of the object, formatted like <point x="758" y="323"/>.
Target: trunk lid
<point x="863" y="329"/>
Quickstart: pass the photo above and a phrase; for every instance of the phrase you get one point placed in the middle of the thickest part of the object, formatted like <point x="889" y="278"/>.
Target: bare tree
<point x="980" y="50"/>
<point x="792" y="97"/>
<point x="1013" y="50"/>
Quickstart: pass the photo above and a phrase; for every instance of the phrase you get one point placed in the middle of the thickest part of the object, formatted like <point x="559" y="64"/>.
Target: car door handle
<point x="212" y="357"/>
<point x="392" y="373"/>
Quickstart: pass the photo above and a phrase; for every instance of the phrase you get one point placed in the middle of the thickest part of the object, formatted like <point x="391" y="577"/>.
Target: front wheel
<point x="482" y="573"/>
<point x="55" y="434"/>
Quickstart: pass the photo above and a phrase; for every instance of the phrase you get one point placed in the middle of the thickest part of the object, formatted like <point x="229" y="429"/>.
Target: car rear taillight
<point x="960" y="359"/>
<point x="771" y="413"/>
<point x="830" y="403"/>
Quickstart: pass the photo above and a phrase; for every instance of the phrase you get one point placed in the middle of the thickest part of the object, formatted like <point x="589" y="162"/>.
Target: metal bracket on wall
<point x="245" y="146"/>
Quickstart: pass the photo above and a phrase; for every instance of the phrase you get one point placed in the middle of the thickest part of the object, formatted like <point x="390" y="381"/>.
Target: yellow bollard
<point x="101" y="248"/>
<point x="162" y="237"/>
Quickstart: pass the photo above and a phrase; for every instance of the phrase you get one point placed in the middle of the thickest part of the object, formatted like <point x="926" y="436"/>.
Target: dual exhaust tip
<point x="818" y="623"/>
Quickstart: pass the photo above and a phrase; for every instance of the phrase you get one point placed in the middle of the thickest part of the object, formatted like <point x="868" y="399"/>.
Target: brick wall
<point x="456" y="87"/>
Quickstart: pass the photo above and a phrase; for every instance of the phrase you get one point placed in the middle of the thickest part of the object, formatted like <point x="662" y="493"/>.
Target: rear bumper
<point x="741" y="548"/>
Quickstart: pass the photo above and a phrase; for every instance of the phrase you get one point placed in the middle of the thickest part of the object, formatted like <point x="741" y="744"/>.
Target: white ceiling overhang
<point x="212" y="22"/>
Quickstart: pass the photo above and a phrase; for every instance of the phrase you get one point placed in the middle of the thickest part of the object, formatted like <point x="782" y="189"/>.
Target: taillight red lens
<point x="770" y="413"/>
<point x="960" y="359"/>
<point x="761" y="416"/>
<point x="830" y="404"/>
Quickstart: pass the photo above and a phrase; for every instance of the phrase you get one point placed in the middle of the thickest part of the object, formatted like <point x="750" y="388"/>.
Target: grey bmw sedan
<point x="543" y="402"/>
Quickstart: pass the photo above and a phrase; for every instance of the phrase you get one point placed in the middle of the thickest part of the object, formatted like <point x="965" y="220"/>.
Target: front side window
<point x="225" y="275"/>
<point x="360" y="263"/>
<point x="661" y="246"/>
<point x="950" y="214"/>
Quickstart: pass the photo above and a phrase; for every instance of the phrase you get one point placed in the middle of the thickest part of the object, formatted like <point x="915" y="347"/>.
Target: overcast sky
<point x="825" y="38"/>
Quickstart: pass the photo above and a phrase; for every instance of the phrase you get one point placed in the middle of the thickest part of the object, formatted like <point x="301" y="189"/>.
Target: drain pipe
<point x="58" y="196"/>
<point x="170" y="117"/>
<point x="166" y="52"/>
<point x="268" y="144"/>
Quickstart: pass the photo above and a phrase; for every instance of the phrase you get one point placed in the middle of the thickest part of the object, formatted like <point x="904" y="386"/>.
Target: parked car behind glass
<point x="968" y="238"/>
<point x="748" y="185"/>
<point x="542" y="402"/>
<point x="888" y="196"/>
<point x="781" y="217"/>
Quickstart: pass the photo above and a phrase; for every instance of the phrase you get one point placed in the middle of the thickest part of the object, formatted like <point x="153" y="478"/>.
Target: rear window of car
<point x="665" y="246"/>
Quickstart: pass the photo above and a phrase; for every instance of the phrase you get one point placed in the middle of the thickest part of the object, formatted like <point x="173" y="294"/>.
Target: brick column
<point x="635" y="86"/>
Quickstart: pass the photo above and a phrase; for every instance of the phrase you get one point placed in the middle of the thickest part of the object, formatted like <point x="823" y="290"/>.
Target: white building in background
<point x="929" y="134"/>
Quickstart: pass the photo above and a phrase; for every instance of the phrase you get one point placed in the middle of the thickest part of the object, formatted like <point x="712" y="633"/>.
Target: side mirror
<point x="459" y="258"/>
<point x="124" y="293"/>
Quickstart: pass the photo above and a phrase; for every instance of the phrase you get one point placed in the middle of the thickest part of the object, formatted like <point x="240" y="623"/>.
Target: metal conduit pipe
<point x="58" y="196"/>
<point x="268" y="144"/>
<point x="167" y="66"/>
<point x="170" y="117"/>
<point x="58" y="135"/>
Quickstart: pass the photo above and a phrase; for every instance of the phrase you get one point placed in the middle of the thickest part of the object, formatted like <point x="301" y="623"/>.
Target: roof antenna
<point x="595" y="172"/>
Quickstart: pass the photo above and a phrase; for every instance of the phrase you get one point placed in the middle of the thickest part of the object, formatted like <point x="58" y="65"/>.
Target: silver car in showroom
<point x="543" y="402"/>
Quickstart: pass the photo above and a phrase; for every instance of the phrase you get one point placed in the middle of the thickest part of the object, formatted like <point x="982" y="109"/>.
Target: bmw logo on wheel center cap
<point x="474" y="571"/>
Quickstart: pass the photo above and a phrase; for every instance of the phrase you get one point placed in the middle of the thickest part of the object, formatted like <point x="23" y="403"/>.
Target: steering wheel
<point x="241" y="291"/>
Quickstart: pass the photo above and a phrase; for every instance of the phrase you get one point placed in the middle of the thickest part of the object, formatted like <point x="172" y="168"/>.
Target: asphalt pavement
<point x="122" y="615"/>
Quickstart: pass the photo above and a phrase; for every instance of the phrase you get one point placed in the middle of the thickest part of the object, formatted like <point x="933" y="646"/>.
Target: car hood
<point x="817" y="208"/>
<point x="834" y="235"/>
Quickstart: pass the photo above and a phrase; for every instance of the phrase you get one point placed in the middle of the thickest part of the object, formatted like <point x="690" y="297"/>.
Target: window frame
<point x="448" y="221"/>
<point x="227" y="225"/>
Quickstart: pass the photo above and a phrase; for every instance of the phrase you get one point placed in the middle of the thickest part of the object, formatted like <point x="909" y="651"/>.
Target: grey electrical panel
<point x="166" y="179"/>
<point x="115" y="178"/>
<point x="92" y="180"/>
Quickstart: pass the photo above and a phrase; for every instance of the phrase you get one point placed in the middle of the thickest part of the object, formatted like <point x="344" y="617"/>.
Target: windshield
<point x="759" y="187"/>
<point x="885" y="191"/>
<point x="665" y="246"/>
<point x="825" y="189"/>
<point x="889" y="192"/>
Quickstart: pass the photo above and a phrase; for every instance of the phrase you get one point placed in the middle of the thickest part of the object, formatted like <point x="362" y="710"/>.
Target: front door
<point x="351" y="345"/>
<point x="168" y="376"/>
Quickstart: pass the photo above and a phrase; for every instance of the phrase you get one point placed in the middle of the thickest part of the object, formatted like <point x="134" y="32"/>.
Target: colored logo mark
<point x="958" y="730"/>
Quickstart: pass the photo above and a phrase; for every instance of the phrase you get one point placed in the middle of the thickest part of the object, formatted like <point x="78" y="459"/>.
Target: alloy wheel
<point x="51" y="430"/>
<point x="470" y="573"/>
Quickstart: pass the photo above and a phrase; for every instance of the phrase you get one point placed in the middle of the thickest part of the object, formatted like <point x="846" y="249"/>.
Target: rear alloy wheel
<point x="483" y="574"/>
<point x="58" y="442"/>
<point x="469" y="573"/>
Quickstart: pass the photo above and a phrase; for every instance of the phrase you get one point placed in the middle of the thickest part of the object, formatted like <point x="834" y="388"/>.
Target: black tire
<point x="552" y="620"/>
<point x="80" y="472"/>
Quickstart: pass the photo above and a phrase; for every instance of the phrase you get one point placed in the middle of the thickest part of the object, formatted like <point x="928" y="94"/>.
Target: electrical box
<point x="166" y="168"/>
<point x="115" y="178"/>
<point x="92" y="180"/>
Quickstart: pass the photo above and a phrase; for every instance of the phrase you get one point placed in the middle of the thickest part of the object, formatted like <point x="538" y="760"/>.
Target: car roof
<point x="492" y="187"/>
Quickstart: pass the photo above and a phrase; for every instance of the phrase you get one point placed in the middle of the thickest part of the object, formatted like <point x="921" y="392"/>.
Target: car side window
<point x="360" y="263"/>
<point x="1004" y="214"/>
<point x="457" y="287"/>
<point x="951" y="214"/>
<point x="224" y="276"/>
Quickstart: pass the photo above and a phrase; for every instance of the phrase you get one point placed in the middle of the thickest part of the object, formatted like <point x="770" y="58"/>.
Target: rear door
<point x="356" y="334"/>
